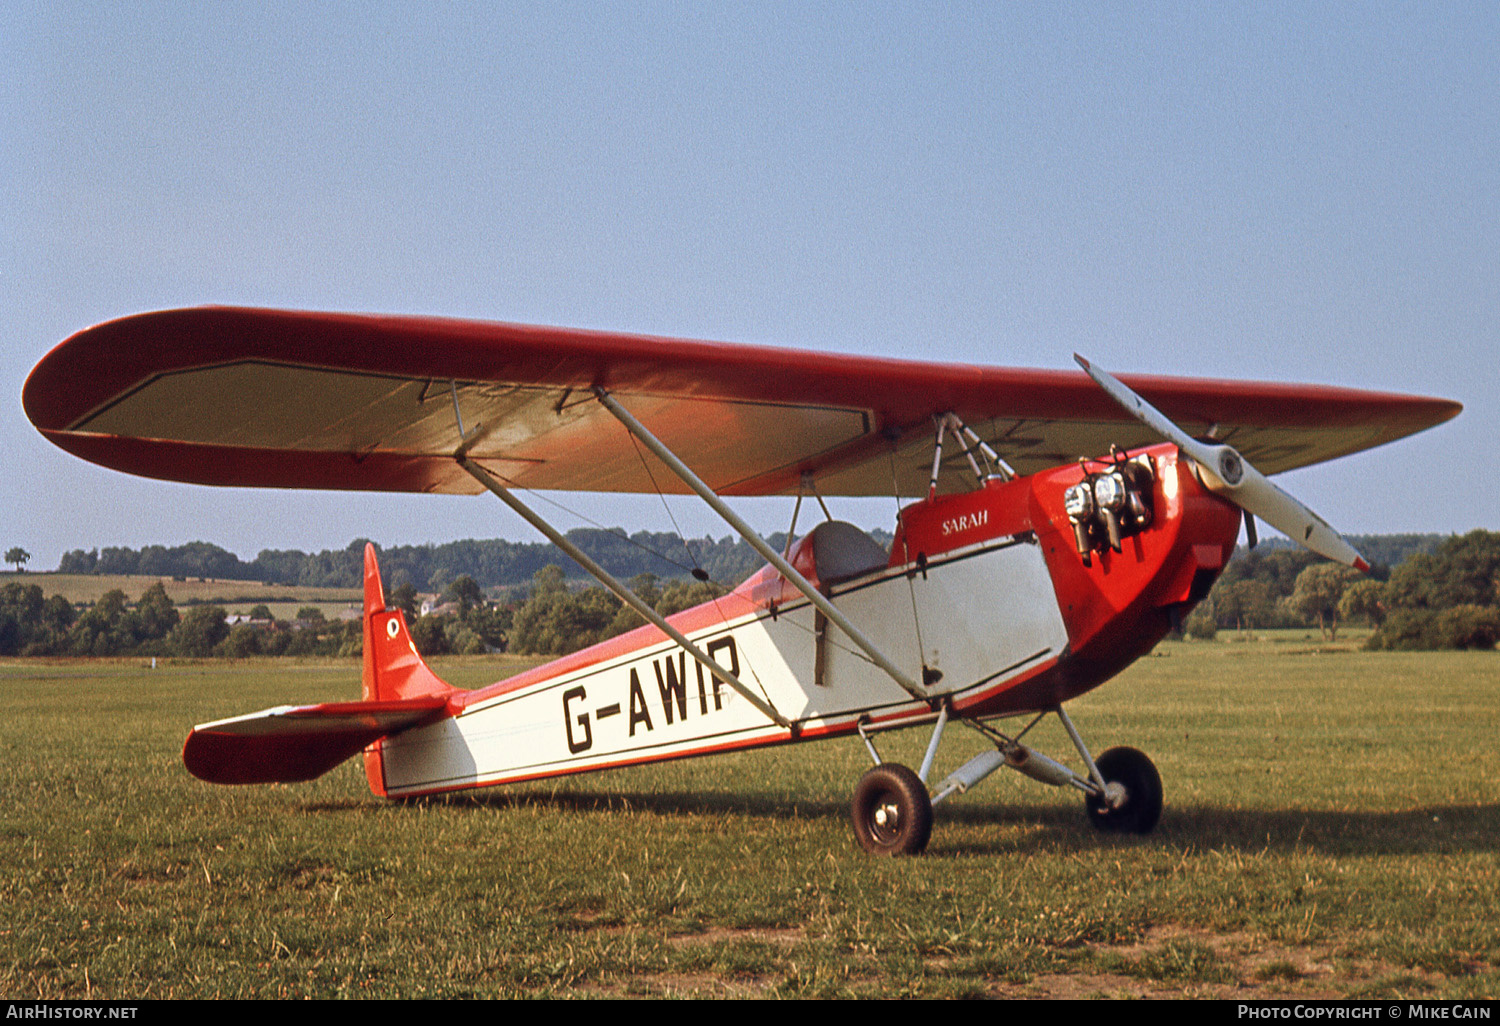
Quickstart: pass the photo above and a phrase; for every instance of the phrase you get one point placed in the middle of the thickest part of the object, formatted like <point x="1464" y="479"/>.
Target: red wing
<point x="315" y="400"/>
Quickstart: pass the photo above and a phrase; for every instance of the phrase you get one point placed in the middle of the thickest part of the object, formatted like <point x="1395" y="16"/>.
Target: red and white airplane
<point x="1061" y="526"/>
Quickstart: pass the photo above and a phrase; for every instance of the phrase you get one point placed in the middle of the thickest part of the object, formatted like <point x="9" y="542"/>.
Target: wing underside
<point x="276" y="399"/>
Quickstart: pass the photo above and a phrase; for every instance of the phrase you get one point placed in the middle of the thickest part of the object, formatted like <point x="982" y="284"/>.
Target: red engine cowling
<point x="1173" y="541"/>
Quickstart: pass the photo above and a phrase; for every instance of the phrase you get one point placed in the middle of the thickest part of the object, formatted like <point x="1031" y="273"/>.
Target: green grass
<point x="1331" y="830"/>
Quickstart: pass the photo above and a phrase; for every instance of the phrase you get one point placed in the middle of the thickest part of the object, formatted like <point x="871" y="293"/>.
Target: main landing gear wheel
<point x="892" y="812"/>
<point x="1139" y="807"/>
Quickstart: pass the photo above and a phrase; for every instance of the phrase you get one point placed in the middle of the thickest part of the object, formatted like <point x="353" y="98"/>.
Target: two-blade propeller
<point x="1227" y="473"/>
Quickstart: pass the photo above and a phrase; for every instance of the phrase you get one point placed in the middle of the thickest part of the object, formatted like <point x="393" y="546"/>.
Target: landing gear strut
<point x="892" y="810"/>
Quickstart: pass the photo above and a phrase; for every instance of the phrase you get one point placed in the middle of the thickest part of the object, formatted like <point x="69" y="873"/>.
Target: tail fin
<point x="393" y="669"/>
<point x="292" y="743"/>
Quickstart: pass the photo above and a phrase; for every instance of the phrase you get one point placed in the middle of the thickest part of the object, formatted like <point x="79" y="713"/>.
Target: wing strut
<point x="755" y="541"/>
<point x="629" y="597"/>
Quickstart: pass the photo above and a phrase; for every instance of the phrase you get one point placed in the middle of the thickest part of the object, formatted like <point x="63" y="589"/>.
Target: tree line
<point x="551" y="619"/>
<point x="1445" y="593"/>
<point x="31" y="625"/>
<point x="492" y="563"/>
<point x="493" y="595"/>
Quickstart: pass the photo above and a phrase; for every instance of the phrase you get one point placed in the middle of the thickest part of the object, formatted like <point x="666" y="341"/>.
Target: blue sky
<point x="1273" y="191"/>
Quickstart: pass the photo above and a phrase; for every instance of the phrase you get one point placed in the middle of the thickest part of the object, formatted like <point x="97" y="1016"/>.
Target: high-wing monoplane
<point x="1058" y="525"/>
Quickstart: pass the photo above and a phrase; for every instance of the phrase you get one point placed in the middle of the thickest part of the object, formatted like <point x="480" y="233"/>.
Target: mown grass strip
<point x="1331" y="829"/>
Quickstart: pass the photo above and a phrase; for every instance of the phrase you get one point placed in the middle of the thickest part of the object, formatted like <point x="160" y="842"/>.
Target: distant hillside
<point x="1380" y="550"/>
<point x="87" y="589"/>
<point x="491" y="563"/>
<point x="497" y="563"/>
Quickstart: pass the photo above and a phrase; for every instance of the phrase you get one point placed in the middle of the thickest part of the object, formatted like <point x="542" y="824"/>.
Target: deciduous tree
<point x="1317" y="593"/>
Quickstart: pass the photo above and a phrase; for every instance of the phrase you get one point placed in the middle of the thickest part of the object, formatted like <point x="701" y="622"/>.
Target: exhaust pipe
<point x="1038" y="766"/>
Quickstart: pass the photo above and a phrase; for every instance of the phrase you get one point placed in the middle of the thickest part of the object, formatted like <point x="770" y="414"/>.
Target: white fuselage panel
<point x="972" y="620"/>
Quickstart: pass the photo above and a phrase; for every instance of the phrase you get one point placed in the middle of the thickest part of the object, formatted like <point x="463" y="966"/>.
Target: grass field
<point x="1332" y="829"/>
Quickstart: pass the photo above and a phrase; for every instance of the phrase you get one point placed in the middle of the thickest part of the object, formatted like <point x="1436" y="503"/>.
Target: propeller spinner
<point x="1228" y="474"/>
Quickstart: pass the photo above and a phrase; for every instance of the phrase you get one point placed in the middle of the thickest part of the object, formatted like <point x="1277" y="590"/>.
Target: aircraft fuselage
<point x="985" y="597"/>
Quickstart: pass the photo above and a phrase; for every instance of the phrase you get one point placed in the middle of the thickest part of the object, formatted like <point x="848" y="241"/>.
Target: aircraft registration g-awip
<point x="1062" y="522"/>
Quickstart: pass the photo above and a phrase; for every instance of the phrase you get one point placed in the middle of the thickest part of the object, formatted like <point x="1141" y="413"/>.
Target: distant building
<point x="235" y="619"/>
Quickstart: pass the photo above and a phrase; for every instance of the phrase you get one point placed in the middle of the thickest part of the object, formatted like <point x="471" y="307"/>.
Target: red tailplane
<point x="294" y="743"/>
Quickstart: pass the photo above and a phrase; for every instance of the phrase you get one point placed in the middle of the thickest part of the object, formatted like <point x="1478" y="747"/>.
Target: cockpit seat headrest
<point x="842" y="551"/>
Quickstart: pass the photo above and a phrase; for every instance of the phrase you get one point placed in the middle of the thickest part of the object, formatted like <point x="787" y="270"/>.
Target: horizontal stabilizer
<point x="291" y="743"/>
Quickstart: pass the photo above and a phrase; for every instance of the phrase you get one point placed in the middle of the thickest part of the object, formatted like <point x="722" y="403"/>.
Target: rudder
<point x="393" y="669"/>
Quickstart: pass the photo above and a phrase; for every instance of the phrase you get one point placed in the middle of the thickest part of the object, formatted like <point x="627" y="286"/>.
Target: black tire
<point x="892" y="812"/>
<point x="1142" y="807"/>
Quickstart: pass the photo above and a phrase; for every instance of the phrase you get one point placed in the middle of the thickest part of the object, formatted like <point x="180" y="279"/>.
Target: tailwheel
<point x="892" y="812"/>
<point x="1132" y="799"/>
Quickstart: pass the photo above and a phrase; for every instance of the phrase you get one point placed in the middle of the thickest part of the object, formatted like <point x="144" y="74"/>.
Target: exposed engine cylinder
<point x="1110" y="505"/>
